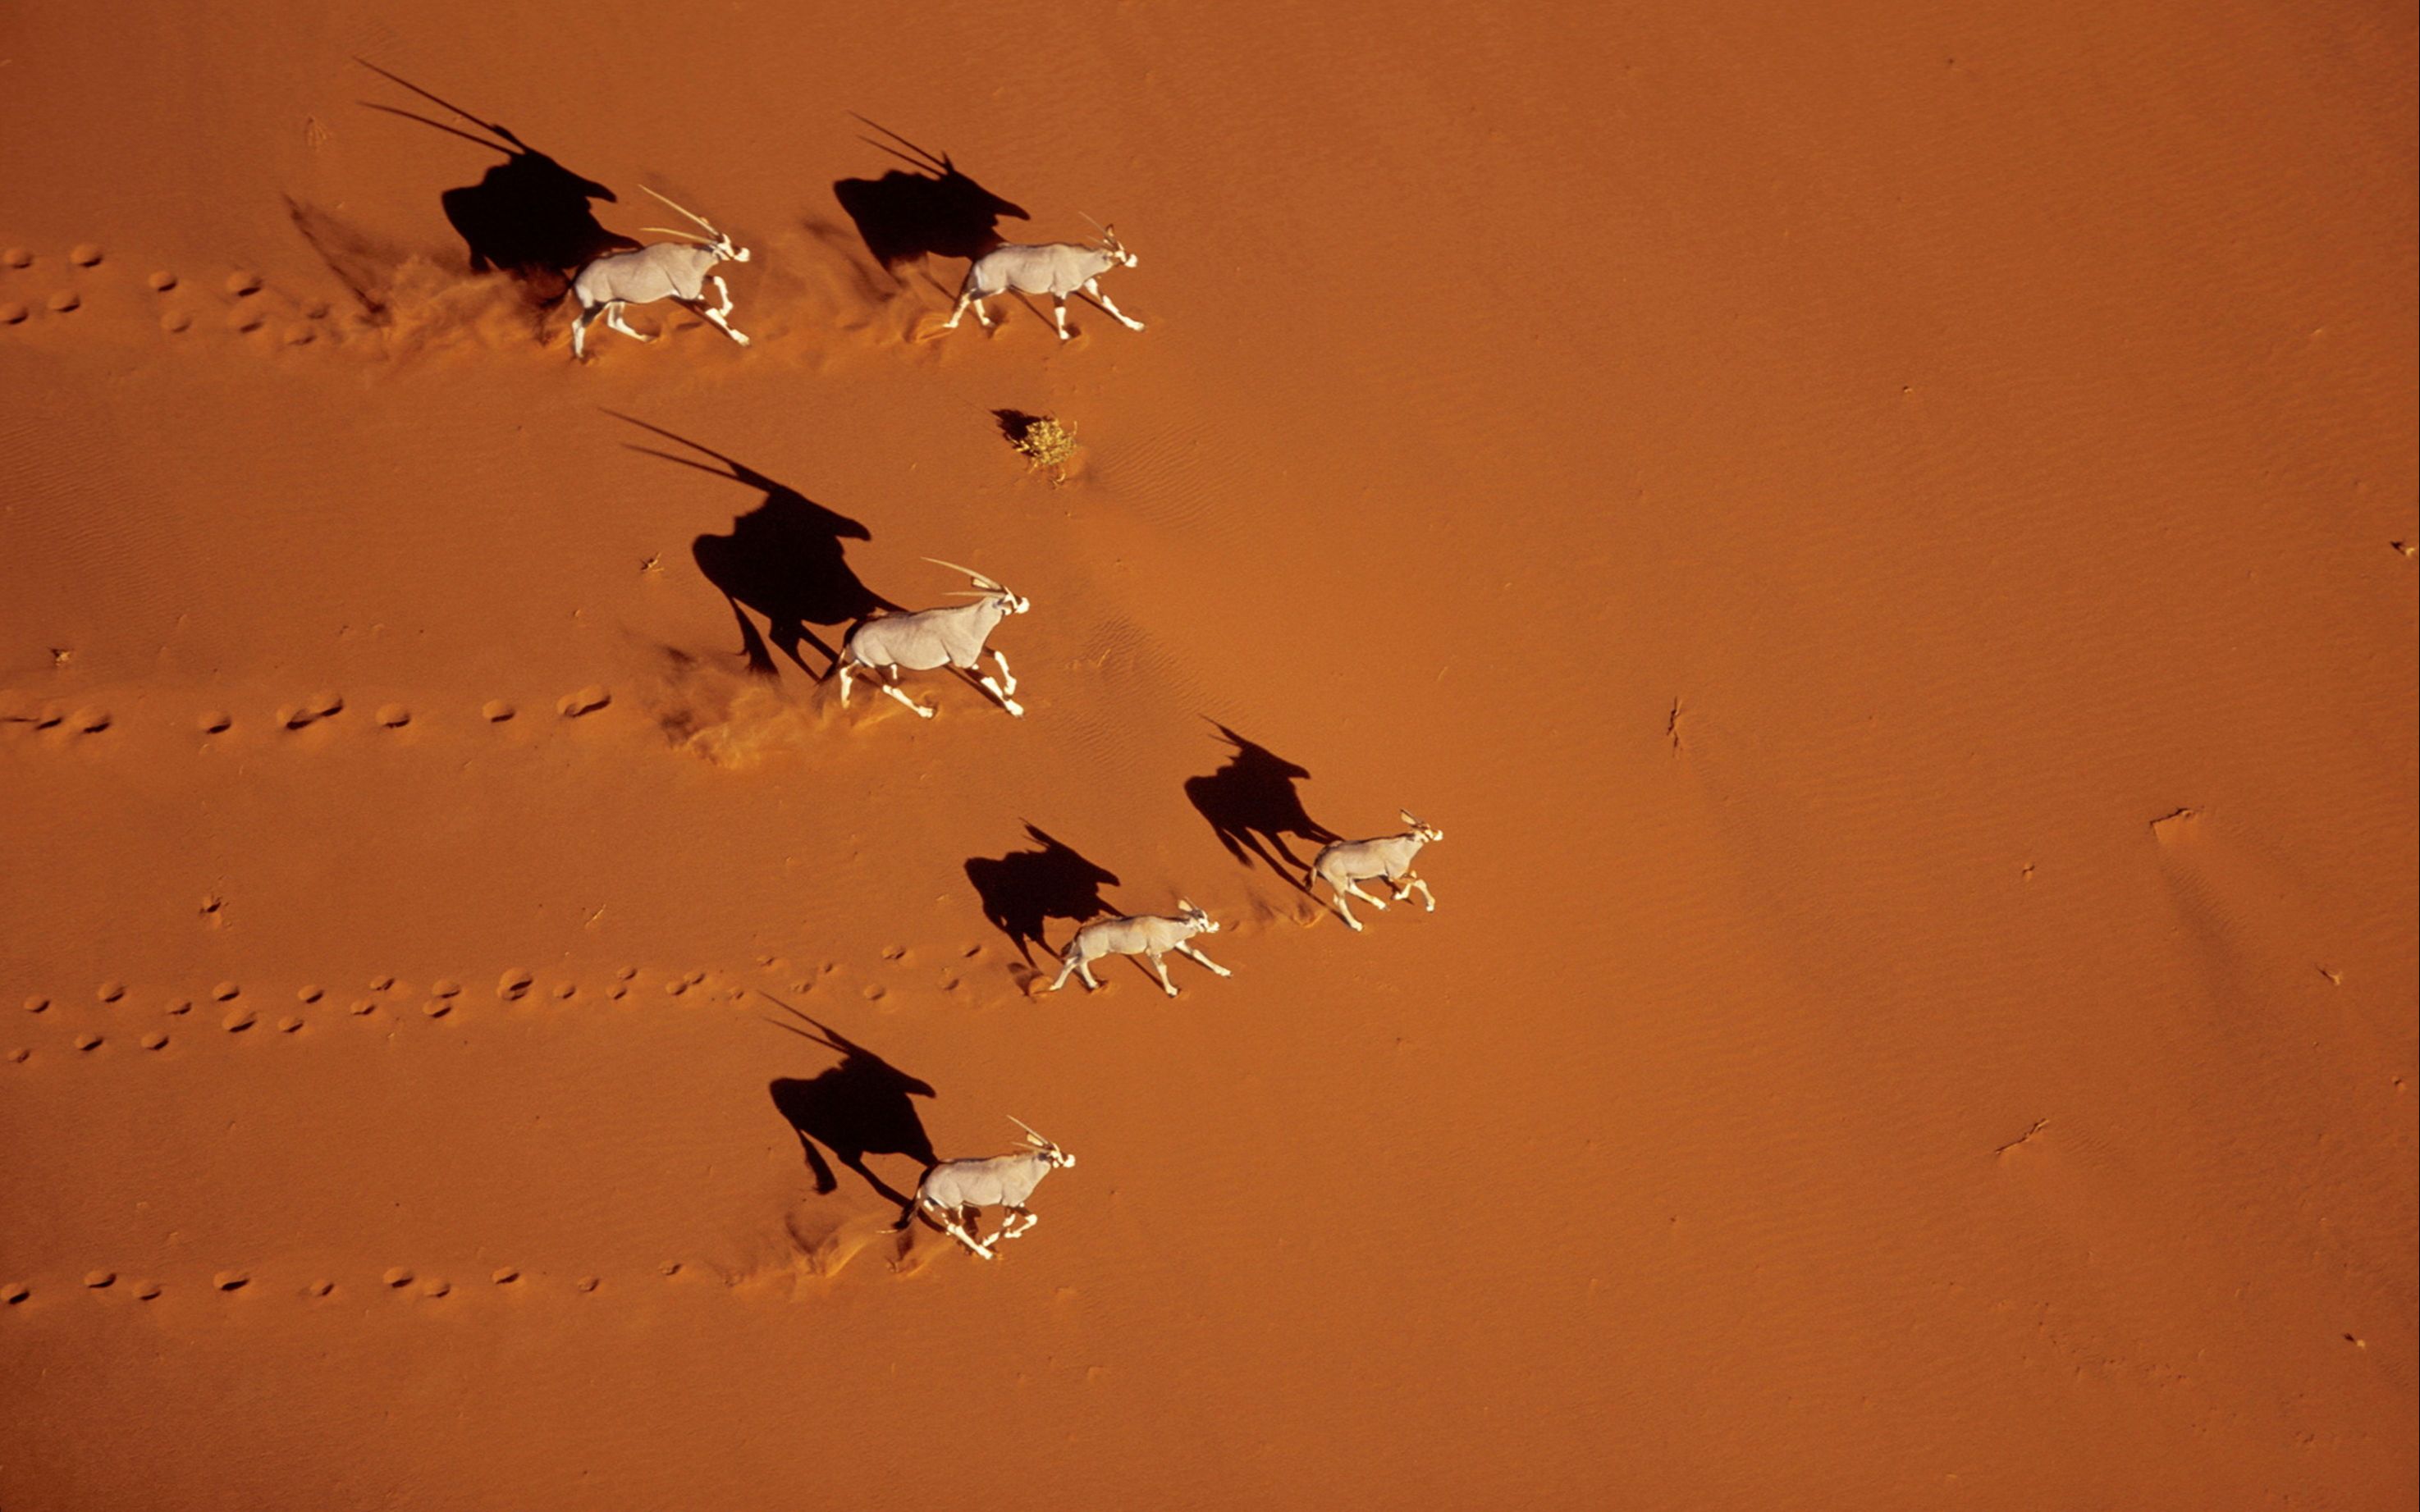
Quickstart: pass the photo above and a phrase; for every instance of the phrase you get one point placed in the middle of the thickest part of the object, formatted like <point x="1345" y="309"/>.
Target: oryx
<point x="1056" y="268"/>
<point x="954" y="1193"/>
<point x="1150" y="935"/>
<point x="933" y="637"/>
<point x="675" y="270"/>
<point x="1348" y="863"/>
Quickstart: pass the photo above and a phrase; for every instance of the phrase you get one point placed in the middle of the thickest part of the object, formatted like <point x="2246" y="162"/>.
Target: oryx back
<point x="1056" y="268"/>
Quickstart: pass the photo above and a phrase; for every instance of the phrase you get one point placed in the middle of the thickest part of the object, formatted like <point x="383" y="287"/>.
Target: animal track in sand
<point x="14" y="1292"/>
<point x="496" y="710"/>
<point x="437" y="1008"/>
<point x="35" y="1005"/>
<point x="162" y="281"/>
<point x="290" y="1023"/>
<point x="307" y="995"/>
<point x="13" y="313"/>
<point x="147" y="1290"/>
<point x="90" y="721"/>
<point x="231" y="1280"/>
<point x="226" y="992"/>
<point x="154" y="1041"/>
<point x="110" y="992"/>
<point x="393" y="715"/>
<point x="89" y="1041"/>
<point x="505" y="1276"/>
<point x="181" y="1005"/>
<point x="243" y="284"/>
<point x="16" y="1057"/>
<point x="513" y="985"/>
<point x="176" y="321"/>
<point x="435" y="1286"/>
<point x="399" y="1276"/>
<point x="63" y="302"/>
<point x="446" y="987"/>
<point x="85" y="254"/>
<point x="237" y="1022"/>
<point x="17" y="257"/>
<point x="214" y="722"/>
<point x="588" y="700"/>
<point x="362" y="1006"/>
<point x="100" y="1280"/>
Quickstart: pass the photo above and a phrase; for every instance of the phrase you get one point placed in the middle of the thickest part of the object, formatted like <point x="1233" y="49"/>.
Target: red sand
<point x="1874" y="534"/>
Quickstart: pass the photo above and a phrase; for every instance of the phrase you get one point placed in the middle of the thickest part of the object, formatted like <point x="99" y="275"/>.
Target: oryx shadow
<point x="1023" y="891"/>
<point x="855" y="1108"/>
<point x="931" y="211"/>
<point x="784" y="559"/>
<point x="529" y="215"/>
<point x="1252" y="806"/>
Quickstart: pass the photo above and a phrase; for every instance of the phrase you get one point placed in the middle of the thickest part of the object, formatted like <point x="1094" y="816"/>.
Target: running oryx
<point x="1348" y="863"/>
<point x="675" y="270"/>
<point x="1056" y="268"/>
<point x="957" y="1189"/>
<point x="1150" y="935"/>
<point x="951" y="637"/>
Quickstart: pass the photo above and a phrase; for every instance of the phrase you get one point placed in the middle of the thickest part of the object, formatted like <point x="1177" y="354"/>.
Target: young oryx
<point x="955" y="1188"/>
<point x="675" y="270"/>
<point x="1348" y="863"/>
<point x="919" y="642"/>
<point x="1056" y="268"/>
<point x="1150" y="935"/>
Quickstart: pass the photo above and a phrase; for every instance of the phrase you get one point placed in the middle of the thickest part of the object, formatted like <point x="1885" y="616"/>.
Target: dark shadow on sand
<point x="1023" y="891"/>
<point x="1252" y="806"/>
<point x="935" y="211"/>
<point x="529" y="215"/>
<point x="783" y="559"/>
<point x="856" y="1108"/>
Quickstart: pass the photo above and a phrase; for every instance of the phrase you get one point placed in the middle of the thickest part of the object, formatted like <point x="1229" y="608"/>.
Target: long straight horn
<point x="1407" y="818"/>
<point x="1030" y="1134"/>
<point x="676" y="231"/>
<point x="973" y="577"/>
<point x="691" y="214"/>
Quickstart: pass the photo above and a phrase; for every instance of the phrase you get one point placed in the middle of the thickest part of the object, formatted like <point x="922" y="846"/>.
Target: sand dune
<point x="1883" y="539"/>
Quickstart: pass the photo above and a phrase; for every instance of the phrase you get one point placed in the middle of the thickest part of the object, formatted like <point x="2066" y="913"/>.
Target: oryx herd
<point x="885" y="644"/>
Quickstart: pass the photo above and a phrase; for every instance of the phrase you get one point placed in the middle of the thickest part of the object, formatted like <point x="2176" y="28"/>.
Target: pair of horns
<point x="1407" y="818"/>
<point x="973" y="577"/>
<point x="685" y="211"/>
<point x="1030" y="1137"/>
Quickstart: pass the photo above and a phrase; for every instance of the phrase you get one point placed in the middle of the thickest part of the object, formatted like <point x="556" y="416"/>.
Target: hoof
<point x="923" y="714"/>
<point x="1015" y="710"/>
<point x="738" y="337"/>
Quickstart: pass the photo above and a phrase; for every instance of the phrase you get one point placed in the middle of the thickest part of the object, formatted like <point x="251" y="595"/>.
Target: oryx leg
<point x="1014" y="1225"/>
<point x="1160" y="963"/>
<point x="1404" y="886"/>
<point x="1187" y="947"/>
<point x="1006" y="677"/>
<point x="1059" y="314"/>
<point x="996" y="690"/>
<point x="1093" y="286"/>
<point x="1344" y="908"/>
<point x="964" y="301"/>
<point x="714" y="319"/>
<point x="1355" y="889"/>
<point x="719" y="287"/>
<point x="894" y="690"/>
<point x="843" y="684"/>
<point x="580" y="325"/>
<point x="613" y="318"/>
<point x="957" y="1231"/>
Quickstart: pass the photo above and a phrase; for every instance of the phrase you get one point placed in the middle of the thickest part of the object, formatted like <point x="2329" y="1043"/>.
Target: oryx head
<point x="1042" y="1147"/>
<point x="986" y="588"/>
<point x="1192" y="913"/>
<point x="1425" y="832"/>
<point x="1110" y="244"/>
<point x="723" y="248"/>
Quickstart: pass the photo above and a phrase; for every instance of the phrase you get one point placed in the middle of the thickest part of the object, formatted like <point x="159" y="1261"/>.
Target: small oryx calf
<point x="954" y="1191"/>
<point x="675" y="270"/>
<point x="1056" y="268"/>
<point x="1150" y="935"/>
<point x="919" y="642"/>
<point x="1348" y="863"/>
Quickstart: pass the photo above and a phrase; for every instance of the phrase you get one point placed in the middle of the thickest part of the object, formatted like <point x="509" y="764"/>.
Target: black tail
<point x="907" y="1215"/>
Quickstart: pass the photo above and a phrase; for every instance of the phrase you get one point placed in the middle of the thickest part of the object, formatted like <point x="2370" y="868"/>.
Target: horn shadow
<point x="929" y="209"/>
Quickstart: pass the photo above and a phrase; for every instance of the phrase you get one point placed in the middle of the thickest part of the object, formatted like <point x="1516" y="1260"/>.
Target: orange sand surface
<point x="1881" y="533"/>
